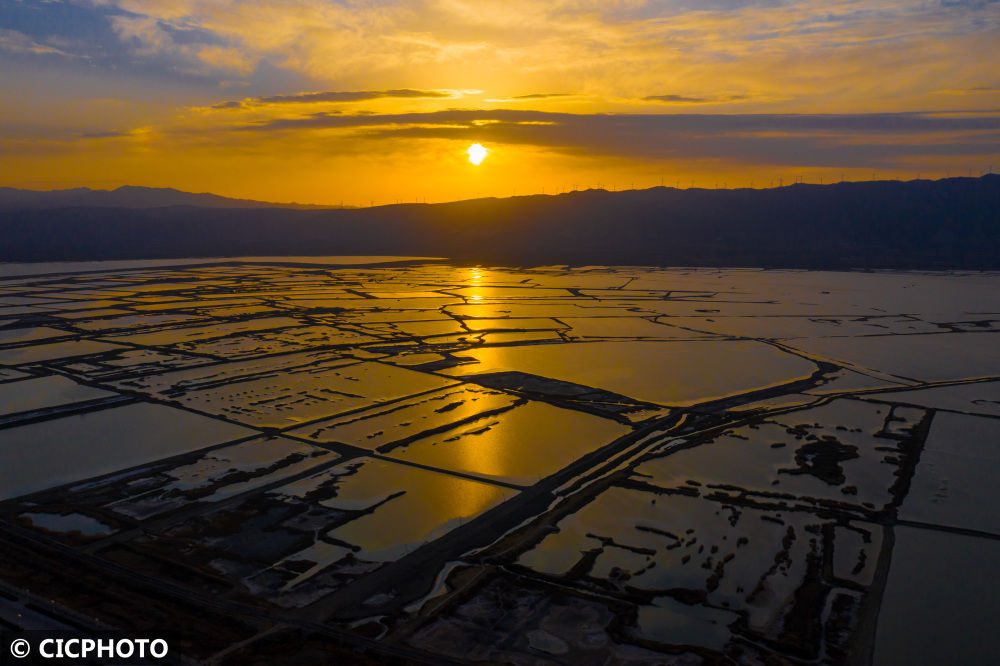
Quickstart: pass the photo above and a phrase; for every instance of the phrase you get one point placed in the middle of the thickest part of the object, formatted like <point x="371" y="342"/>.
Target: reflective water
<point x="956" y="483"/>
<point x="950" y="616"/>
<point x="667" y="373"/>
<point x="32" y="394"/>
<point x="72" y="522"/>
<point x="791" y="463"/>
<point x="519" y="446"/>
<point x="51" y="453"/>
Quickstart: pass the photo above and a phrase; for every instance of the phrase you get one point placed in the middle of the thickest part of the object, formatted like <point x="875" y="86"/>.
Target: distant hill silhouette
<point x="943" y="224"/>
<point x="128" y="196"/>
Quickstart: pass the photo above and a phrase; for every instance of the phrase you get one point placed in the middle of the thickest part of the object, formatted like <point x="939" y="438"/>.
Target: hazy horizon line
<point x="773" y="184"/>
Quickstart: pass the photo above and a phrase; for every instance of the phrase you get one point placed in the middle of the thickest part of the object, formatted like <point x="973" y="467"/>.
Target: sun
<point x="477" y="153"/>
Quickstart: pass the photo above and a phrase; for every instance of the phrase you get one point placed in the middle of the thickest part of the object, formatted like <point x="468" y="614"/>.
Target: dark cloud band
<point x="829" y="140"/>
<point x="337" y="96"/>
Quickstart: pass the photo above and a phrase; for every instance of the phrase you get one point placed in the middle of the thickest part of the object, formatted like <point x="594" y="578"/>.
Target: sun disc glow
<point x="477" y="153"/>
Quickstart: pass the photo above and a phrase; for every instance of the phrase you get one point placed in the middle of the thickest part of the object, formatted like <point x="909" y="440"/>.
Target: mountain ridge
<point x="131" y="196"/>
<point x="944" y="224"/>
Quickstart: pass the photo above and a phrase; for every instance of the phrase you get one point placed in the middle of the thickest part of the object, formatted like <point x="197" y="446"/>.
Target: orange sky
<point x="358" y="102"/>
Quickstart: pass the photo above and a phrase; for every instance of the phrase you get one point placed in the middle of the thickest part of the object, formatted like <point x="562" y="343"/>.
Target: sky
<point x="373" y="102"/>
